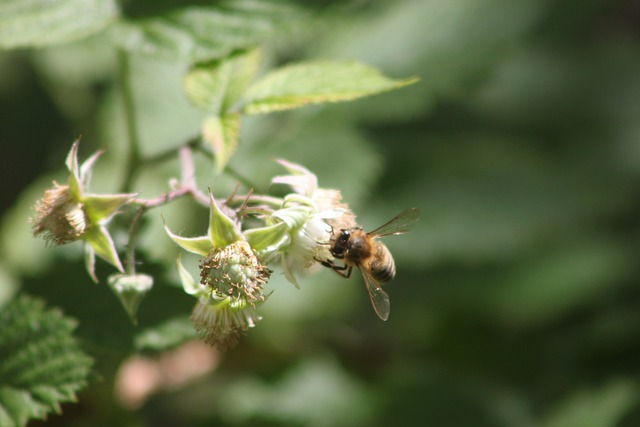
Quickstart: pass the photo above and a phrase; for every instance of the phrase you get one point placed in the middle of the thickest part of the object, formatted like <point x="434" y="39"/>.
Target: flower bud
<point x="131" y="290"/>
<point x="60" y="217"/>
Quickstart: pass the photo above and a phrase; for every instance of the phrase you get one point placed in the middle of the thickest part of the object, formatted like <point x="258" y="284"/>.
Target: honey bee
<point x="358" y="248"/>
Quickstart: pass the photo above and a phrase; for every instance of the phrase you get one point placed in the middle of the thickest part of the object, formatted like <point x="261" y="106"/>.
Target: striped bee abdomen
<point x="382" y="266"/>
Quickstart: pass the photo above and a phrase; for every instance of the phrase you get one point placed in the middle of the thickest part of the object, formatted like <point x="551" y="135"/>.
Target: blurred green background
<point x="516" y="300"/>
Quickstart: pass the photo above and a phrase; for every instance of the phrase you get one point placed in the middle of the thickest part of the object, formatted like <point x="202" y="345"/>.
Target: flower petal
<point x="301" y="179"/>
<point x="222" y="230"/>
<point x="197" y="245"/>
<point x="100" y="240"/>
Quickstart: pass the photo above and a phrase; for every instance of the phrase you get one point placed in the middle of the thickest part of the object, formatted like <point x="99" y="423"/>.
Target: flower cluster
<point x="297" y="232"/>
<point x="294" y="232"/>
<point x="67" y="213"/>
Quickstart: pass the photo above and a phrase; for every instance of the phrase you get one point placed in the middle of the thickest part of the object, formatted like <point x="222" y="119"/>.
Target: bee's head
<point x="340" y="243"/>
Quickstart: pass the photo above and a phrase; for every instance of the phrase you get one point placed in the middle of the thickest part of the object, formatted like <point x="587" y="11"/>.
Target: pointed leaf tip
<point x="297" y="85"/>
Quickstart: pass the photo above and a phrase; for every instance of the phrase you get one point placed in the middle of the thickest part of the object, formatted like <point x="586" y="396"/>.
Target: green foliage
<point x="316" y="82"/>
<point x="43" y="23"/>
<point x="41" y="363"/>
<point x="166" y="335"/>
<point x="515" y="301"/>
<point x="595" y="408"/>
<point x="204" y="32"/>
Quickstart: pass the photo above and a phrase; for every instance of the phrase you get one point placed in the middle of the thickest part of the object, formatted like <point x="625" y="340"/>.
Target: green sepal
<point x="100" y="240"/>
<point x="102" y="206"/>
<point x="85" y="168"/>
<point x="90" y="262"/>
<point x="198" y="245"/>
<point x="189" y="285"/>
<point x="75" y="183"/>
<point x="294" y="216"/>
<point x="265" y="237"/>
<point x="287" y="272"/>
<point x="222" y="230"/>
<point x="298" y="199"/>
<point x="130" y="290"/>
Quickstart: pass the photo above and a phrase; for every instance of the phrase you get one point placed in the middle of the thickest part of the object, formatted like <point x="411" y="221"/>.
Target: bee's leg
<point x="340" y="269"/>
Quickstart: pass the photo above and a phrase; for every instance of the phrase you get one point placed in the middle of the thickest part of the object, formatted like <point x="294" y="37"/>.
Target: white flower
<point x="312" y="215"/>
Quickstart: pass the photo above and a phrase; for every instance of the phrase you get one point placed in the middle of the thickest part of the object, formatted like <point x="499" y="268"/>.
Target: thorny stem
<point x="188" y="187"/>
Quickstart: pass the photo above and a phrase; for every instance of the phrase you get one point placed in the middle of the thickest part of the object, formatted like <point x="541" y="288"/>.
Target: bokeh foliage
<point x="516" y="301"/>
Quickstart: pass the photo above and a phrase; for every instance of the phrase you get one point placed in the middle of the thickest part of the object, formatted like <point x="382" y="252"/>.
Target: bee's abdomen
<point x="383" y="268"/>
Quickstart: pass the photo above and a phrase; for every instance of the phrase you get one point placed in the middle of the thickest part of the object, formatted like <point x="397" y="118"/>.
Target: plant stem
<point x="131" y="244"/>
<point x="133" y="155"/>
<point x="252" y="198"/>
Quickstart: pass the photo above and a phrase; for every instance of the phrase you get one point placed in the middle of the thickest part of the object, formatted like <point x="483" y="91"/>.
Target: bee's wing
<point x="402" y="223"/>
<point x="379" y="298"/>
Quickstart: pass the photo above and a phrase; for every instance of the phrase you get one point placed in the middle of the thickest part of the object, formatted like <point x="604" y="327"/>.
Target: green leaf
<point x="594" y="408"/>
<point x="216" y="86"/>
<point x="41" y="363"/>
<point x="222" y="230"/>
<point x="25" y="23"/>
<point x="223" y="134"/>
<point x="206" y="86"/>
<point x="206" y="32"/>
<point x="297" y="85"/>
